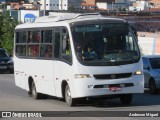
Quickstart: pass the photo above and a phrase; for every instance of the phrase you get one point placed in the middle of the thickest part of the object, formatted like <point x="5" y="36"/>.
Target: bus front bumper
<point x="92" y="88"/>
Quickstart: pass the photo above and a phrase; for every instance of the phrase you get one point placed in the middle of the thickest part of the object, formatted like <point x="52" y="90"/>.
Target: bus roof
<point x="64" y="18"/>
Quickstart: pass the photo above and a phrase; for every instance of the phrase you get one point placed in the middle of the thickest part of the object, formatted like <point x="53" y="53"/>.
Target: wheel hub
<point x="68" y="96"/>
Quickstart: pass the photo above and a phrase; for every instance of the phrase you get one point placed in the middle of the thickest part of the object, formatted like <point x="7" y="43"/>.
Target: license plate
<point x="115" y="89"/>
<point x="3" y="67"/>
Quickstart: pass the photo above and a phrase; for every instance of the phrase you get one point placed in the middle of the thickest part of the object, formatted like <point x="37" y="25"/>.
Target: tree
<point x="0" y="30"/>
<point x="71" y="8"/>
<point x="7" y="30"/>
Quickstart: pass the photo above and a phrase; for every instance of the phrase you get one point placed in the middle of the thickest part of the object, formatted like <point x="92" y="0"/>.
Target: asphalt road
<point x="13" y="98"/>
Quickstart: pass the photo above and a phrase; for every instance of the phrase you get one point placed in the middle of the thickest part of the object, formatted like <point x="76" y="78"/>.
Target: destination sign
<point x="93" y="28"/>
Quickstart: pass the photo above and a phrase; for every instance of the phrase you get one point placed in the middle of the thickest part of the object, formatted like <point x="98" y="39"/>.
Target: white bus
<point x="78" y="56"/>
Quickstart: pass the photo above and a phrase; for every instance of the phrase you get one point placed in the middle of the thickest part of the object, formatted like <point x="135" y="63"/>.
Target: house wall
<point x="101" y="5"/>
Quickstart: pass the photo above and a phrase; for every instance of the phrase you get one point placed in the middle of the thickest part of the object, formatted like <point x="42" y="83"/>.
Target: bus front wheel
<point x="126" y="99"/>
<point x="152" y="86"/>
<point x="69" y="100"/>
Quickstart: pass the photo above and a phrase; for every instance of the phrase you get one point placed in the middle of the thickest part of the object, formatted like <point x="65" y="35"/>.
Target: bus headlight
<point x="138" y="73"/>
<point x="82" y="76"/>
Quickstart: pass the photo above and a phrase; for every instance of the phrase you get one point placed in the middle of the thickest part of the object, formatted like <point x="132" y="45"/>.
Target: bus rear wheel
<point x="69" y="100"/>
<point x="126" y="99"/>
<point x="34" y="93"/>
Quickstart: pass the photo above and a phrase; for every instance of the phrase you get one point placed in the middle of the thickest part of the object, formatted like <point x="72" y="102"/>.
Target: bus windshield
<point x="105" y="44"/>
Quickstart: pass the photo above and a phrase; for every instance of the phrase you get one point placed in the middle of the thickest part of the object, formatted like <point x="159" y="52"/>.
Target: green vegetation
<point x="71" y="8"/>
<point x="7" y="25"/>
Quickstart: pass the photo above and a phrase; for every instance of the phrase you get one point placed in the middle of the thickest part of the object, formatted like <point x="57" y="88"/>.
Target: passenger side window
<point x="57" y="45"/>
<point x="34" y="38"/>
<point x="46" y="44"/>
<point x="46" y="51"/>
<point x="21" y="50"/>
<point x="21" y="37"/>
<point x="47" y="36"/>
<point x="66" y="47"/>
<point x="33" y="50"/>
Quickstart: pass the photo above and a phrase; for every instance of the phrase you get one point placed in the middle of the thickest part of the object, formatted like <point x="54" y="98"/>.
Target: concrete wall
<point x="101" y="5"/>
<point x="149" y="45"/>
<point x="91" y="2"/>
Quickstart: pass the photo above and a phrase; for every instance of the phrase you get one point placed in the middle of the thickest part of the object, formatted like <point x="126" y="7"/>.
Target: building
<point x="108" y="4"/>
<point x="23" y="6"/>
<point x="140" y="5"/>
<point x="60" y="4"/>
<point x="25" y="16"/>
<point x="14" y="6"/>
<point x="9" y="1"/>
<point x="155" y="3"/>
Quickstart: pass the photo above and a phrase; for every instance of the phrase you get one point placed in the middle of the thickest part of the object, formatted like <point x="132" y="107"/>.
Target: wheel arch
<point x="151" y="78"/>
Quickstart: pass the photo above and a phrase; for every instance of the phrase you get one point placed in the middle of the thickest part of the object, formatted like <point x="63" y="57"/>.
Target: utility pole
<point x="112" y="4"/>
<point x="154" y="43"/>
<point x="44" y="14"/>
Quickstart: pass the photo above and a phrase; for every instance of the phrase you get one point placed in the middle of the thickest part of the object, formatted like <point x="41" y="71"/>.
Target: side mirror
<point x="145" y="66"/>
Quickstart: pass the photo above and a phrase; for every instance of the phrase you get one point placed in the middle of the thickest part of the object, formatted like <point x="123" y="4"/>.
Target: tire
<point x="29" y="93"/>
<point x="11" y="71"/>
<point x="152" y="86"/>
<point x="126" y="99"/>
<point x="34" y="93"/>
<point x="69" y="100"/>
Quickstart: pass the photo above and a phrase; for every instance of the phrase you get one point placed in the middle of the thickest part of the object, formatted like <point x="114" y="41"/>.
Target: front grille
<point x="3" y="61"/>
<point x="114" y="85"/>
<point x="113" y="76"/>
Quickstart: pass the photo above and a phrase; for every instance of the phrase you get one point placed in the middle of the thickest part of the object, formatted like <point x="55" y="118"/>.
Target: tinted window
<point x="46" y="51"/>
<point x="47" y="36"/>
<point x="57" y="45"/>
<point x="34" y="36"/>
<point x="33" y="50"/>
<point x="21" y="37"/>
<point x="3" y="54"/>
<point x="21" y="50"/>
<point x="155" y="63"/>
<point x="145" y="61"/>
<point x="105" y="44"/>
<point x="66" y="47"/>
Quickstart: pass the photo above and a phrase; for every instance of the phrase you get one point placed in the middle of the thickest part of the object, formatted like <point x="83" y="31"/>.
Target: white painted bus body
<point x="48" y="75"/>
